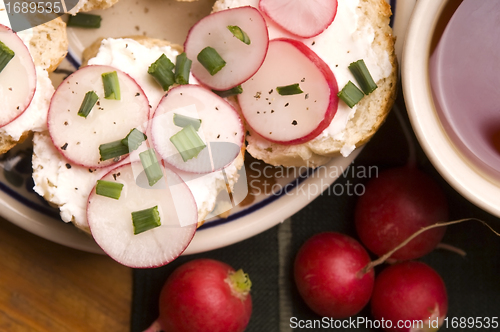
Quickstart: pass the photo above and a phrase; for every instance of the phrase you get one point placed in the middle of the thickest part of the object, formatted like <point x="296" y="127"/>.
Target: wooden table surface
<point x="48" y="287"/>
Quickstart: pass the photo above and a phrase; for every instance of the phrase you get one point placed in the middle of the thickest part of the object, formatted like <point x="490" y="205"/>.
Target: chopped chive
<point x="161" y="70"/>
<point x="88" y="103"/>
<point x="351" y="94"/>
<point x="109" y="189"/>
<point x="111" y="85"/>
<point x="211" y="60"/>
<point x="183" y="121"/>
<point x="112" y="150"/>
<point x="151" y="166"/>
<point x="81" y="20"/>
<point x="228" y="93"/>
<point x="188" y="143"/>
<point x="134" y="139"/>
<point x="287" y="90"/>
<point x="238" y="33"/>
<point x="144" y="220"/>
<point x="6" y="54"/>
<point x="362" y="76"/>
<point x="182" y="69"/>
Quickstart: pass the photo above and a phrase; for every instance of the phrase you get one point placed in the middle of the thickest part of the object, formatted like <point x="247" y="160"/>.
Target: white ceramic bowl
<point x="469" y="180"/>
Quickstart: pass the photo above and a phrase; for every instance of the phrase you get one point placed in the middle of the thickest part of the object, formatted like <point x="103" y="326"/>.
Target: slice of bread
<point x="371" y="111"/>
<point x="48" y="46"/>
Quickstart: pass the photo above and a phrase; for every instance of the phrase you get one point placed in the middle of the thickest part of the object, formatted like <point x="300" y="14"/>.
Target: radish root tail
<point x="449" y="247"/>
<point x="383" y="258"/>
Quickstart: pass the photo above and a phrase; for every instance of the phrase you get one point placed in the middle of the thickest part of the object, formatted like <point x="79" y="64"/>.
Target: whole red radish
<point x="396" y="204"/>
<point x="327" y="273"/>
<point x="205" y="295"/>
<point x="409" y="291"/>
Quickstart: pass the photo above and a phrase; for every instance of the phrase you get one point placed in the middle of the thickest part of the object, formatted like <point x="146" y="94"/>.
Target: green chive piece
<point x="182" y="69"/>
<point x="228" y="93"/>
<point x="287" y="90"/>
<point x="183" y="121"/>
<point x="211" y="60"/>
<point x="88" y="103"/>
<point x="188" y="143"/>
<point x="144" y="220"/>
<point x="161" y="70"/>
<point x="362" y="76"/>
<point x="151" y="166"/>
<point x="112" y="150"/>
<point x="134" y="139"/>
<point x="81" y="20"/>
<point x="351" y="94"/>
<point x="111" y="85"/>
<point x="6" y="54"/>
<point x="238" y="33"/>
<point x="109" y="189"/>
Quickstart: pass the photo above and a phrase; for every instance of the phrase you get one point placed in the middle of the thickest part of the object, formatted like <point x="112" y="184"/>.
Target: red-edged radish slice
<point x="242" y="60"/>
<point x="221" y="129"/>
<point x="290" y="119"/>
<point x="110" y="220"/>
<point x="17" y="79"/>
<point x="78" y="138"/>
<point x="301" y="18"/>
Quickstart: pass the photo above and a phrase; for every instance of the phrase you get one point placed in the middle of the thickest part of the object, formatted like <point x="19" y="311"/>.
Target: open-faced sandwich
<point x="359" y="31"/>
<point x="144" y="137"/>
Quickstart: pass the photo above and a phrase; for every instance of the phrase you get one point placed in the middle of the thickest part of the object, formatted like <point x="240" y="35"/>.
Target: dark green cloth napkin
<point x="473" y="282"/>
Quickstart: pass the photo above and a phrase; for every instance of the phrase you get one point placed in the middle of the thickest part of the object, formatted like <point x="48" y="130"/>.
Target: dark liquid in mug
<point x="465" y="78"/>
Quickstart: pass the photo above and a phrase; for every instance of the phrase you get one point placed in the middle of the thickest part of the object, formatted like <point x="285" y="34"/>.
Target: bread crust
<point x="370" y="115"/>
<point x="49" y="44"/>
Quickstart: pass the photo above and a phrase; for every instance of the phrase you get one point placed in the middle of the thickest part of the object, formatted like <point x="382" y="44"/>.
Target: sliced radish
<point x="111" y="225"/>
<point x="78" y="138"/>
<point x="290" y="119"/>
<point x="221" y="129"/>
<point x="17" y="79"/>
<point x="242" y="59"/>
<point x="301" y="18"/>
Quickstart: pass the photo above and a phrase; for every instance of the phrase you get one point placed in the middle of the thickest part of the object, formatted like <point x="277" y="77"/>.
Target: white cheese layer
<point x="34" y="118"/>
<point x="343" y="42"/>
<point x="69" y="187"/>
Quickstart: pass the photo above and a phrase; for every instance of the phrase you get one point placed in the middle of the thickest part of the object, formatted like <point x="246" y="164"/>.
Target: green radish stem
<point x="383" y="258"/>
<point x="240" y="283"/>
